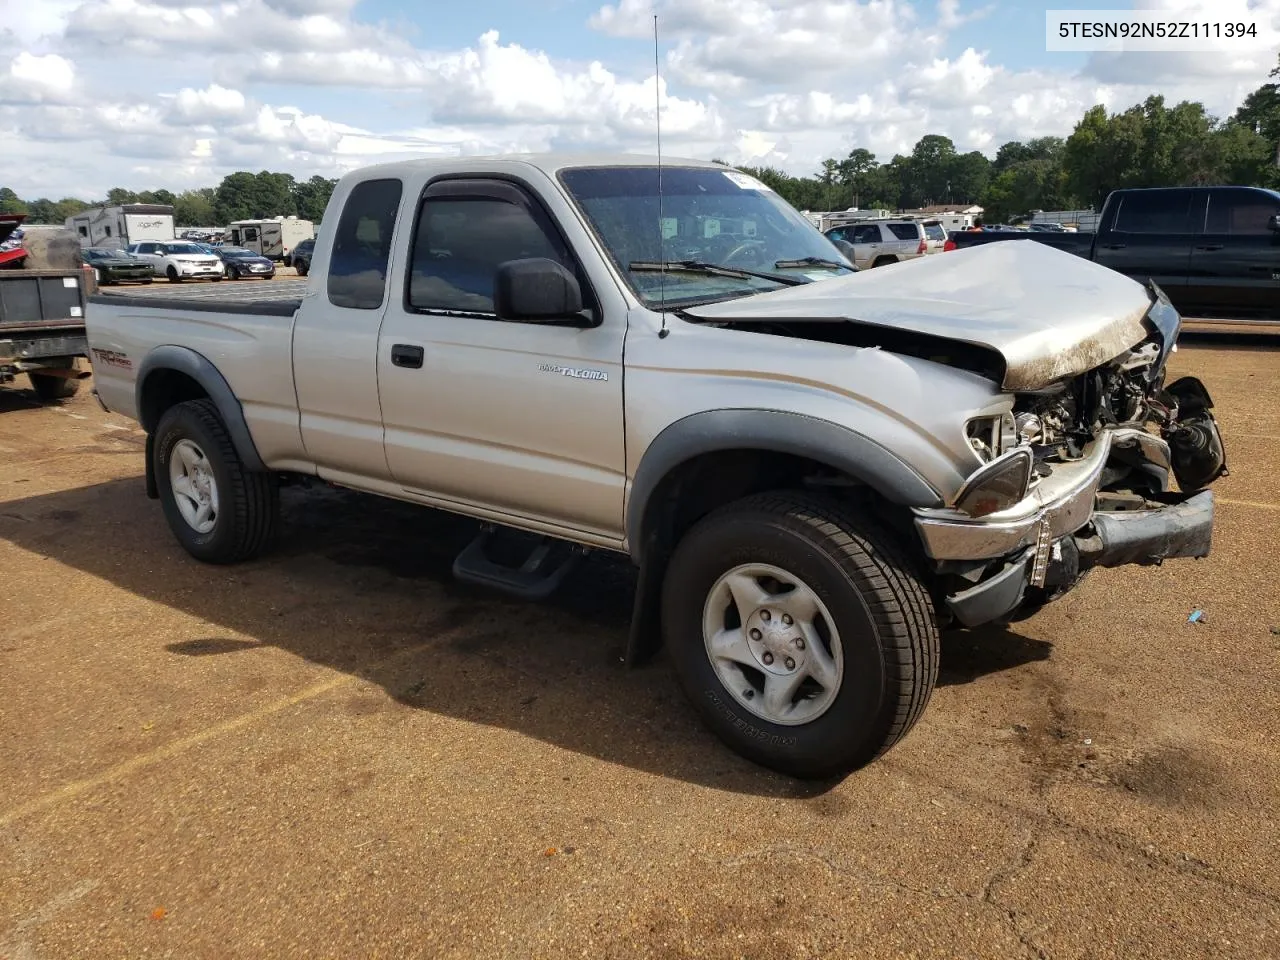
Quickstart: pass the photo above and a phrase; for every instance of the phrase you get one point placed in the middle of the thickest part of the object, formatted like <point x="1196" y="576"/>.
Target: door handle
<point x="406" y="355"/>
<point x="1212" y="246"/>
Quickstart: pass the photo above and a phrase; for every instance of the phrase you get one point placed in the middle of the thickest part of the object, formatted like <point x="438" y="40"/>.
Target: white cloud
<point x="208" y="105"/>
<point x="153" y="28"/>
<point x="145" y="93"/>
<point x="37" y="79"/>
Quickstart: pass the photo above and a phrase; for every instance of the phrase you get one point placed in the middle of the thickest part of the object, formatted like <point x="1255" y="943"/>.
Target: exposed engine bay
<point x="1060" y="421"/>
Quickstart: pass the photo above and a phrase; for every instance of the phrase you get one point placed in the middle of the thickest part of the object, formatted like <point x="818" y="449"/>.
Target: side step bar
<point x="493" y="559"/>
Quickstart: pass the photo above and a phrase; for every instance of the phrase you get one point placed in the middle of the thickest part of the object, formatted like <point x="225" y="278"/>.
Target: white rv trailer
<point x="117" y="227"/>
<point x="275" y="237"/>
<point x="825" y="220"/>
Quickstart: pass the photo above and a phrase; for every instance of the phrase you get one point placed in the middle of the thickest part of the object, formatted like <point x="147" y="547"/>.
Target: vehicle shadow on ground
<point x="17" y="396"/>
<point x="363" y="584"/>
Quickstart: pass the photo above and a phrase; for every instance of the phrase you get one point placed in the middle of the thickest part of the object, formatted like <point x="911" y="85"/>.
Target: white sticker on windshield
<point x="744" y="181"/>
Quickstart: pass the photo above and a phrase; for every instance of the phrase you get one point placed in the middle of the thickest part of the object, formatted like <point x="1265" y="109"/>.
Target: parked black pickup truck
<point x="1214" y="250"/>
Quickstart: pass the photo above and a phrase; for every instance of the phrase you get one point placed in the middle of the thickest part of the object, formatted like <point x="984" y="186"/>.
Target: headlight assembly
<point x="997" y="485"/>
<point x="992" y="436"/>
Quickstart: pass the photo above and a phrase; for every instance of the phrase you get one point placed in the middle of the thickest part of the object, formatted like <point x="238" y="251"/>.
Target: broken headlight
<point x="991" y="436"/>
<point x="997" y="485"/>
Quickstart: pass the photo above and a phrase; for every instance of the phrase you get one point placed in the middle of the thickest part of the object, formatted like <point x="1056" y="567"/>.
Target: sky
<point x="146" y="94"/>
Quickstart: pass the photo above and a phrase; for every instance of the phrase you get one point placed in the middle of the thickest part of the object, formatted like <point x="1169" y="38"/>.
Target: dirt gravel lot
<point x="337" y="751"/>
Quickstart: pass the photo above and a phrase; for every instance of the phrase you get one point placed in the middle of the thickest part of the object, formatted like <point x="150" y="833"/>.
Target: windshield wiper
<point x="810" y="262"/>
<point x="712" y="269"/>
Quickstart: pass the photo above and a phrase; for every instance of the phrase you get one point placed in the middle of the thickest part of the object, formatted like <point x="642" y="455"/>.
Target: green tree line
<point x="1150" y="144"/>
<point x="240" y="196"/>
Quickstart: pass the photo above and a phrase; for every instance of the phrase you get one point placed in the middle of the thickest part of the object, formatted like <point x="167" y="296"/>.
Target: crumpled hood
<point x="1049" y="314"/>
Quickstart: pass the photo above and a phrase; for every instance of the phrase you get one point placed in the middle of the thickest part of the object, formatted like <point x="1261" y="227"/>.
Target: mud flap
<point x="644" y="639"/>
<point x="153" y="491"/>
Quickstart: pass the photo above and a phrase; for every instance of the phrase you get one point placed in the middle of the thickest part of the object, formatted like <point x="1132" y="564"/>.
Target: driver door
<point x="521" y="419"/>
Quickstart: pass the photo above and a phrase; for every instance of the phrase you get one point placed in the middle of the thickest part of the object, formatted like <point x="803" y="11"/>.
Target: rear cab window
<point x="357" y="276"/>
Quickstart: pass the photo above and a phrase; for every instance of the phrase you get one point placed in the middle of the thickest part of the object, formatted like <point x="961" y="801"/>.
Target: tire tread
<point x="254" y="507"/>
<point x="900" y="604"/>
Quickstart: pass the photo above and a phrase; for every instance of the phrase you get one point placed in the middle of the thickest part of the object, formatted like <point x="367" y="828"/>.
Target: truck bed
<point x="263" y="306"/>
<point x="1081" y="244"/>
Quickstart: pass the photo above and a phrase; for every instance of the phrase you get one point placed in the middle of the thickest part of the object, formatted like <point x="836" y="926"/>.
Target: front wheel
<point x="801" y="633"/>
<point x="220" y="511"/>
<point x="172" y="274"/>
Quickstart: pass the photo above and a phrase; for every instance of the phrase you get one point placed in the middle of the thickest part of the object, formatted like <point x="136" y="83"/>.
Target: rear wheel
<point x="48" y="387"/>
<point x="800" y="632"/>
<point x="302" y="267"/>
<point x="220" y="511"/>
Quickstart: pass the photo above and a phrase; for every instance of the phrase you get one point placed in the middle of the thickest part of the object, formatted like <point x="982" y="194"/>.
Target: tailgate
<point x="40" y="300"/>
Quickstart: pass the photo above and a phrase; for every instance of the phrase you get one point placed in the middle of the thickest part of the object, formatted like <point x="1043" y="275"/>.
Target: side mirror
<point x="537" y="290"/>
<point x="1273" y="221"/>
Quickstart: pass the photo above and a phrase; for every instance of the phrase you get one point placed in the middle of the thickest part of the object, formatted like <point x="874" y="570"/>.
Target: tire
<point x="865" y="587"/>
<point x="49" y="387"/>
<point x="247" y="502"/>
<point x="303" y="267"/>
<point x="148" y="279"/>
<point x="172" y="274"/>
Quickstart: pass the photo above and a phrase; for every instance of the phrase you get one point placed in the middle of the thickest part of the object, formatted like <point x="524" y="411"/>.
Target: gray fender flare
<point x="200" y="369"/>
<point x="774" y="430"/>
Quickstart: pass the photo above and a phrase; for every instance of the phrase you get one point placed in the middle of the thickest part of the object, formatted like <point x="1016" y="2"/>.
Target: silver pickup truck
<point x="814" y="469"/>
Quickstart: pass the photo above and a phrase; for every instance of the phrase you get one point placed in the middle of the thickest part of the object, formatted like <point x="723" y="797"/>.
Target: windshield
<point x="182" y="248"/>
<point x="708" y="216"/>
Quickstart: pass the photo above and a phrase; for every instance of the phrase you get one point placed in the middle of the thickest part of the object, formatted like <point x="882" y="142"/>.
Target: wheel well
<point x="699" y="485"/>
<point x="883" y="260"/>
<point x="162" y="390"/>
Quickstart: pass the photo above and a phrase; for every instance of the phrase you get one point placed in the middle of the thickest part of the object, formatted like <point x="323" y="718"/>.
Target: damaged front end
<point x="1079" y="475"/>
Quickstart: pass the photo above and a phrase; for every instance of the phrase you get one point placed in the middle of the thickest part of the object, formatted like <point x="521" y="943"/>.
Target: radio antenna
<point x="662" y="234"/>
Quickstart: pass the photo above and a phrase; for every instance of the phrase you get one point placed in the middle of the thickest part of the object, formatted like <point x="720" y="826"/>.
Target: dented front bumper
<point x="1040" y="547"/>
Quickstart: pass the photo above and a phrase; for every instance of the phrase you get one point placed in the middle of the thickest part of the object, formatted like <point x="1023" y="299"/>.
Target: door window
<point x="1155" y="211"/>
<point x="362" y="245"/>
<point x="867" y="233"/>
<point x="1240" y="213"/>
<point x="460" y="242"/>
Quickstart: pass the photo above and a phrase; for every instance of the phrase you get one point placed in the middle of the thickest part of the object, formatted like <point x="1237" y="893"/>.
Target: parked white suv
<point x="878" y="242"/>
<point x="935" y="236"/>
<point x="178" y="260"/>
